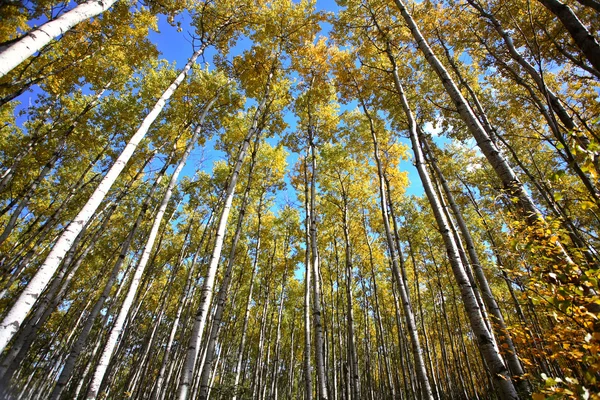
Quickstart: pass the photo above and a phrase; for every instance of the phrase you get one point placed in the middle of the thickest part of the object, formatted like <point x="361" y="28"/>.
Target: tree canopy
<point x="372" y="199"/>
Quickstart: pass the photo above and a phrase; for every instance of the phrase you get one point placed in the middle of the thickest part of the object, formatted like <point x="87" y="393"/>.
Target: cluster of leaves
<point x="276" y="72"/>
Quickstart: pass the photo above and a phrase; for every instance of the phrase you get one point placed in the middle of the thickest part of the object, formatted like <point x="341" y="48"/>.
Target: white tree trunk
<point x="307" y="278"/>
<point x="38" y="283"/>
<point x="34" y="41"/>
<point x="354" y="370"/>
<point x="485" y="340"/>
<point x="209" y="281"/>
<point x="207" y="288"/>
<point x="117" y="328"/>
<point x="276" y="361"/>
<point x="240" y="352"/>
<point x="509" y="179"/>
<point x="490" y="301"/>
<point x="421" y="371"/>
<point x="315" y="261"/>
<point x="77" y="347"/>
<point x="224" y="290"/>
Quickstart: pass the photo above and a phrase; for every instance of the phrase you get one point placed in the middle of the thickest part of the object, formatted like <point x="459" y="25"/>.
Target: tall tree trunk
<point x="209" y="281"/>
<point x="183" y="300"/>
<point x="224" y="289"/>
<point x="241" y="348"/>
<point x="486" y="342"/>
<point x="315" y="263"/>
<point x="291" y="363"/>
<point x="277" y="350"/>
<point x="257" y="375"/>
<point x="336" y="337"/>
<point x="149" y="342"/>
<point x="56" y="291"/>
<point x="404" y="359"/>
<point x="383" y="354"/>
<point x="352" y="356"/>
<point x="367" y="342"/>
<point x="421" y="370"/>
<point x="586" y="42"/>
<point x="13" y="55"/>
<point x="14" y="318"/>
<point x="511" y="182"/>
<point x="77" y="347"/>
<point x="511" y="355"/>
<point x="308" y="395"/>
<point x="117" y="329"/>
<point x="428" y="349"/>
<point x="478" y="325"/>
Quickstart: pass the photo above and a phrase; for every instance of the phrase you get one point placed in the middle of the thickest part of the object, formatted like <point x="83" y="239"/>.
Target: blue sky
<point x="177" y="47"/>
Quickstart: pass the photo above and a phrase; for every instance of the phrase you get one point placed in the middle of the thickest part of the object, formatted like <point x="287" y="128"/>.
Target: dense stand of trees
<point x="300" y="264"/>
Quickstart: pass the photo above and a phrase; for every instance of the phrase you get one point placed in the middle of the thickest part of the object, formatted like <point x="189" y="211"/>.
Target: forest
<point x="300" y="199"/>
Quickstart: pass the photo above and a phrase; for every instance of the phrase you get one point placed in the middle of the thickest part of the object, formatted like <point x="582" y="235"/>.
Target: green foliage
<point x="276" y="69"/>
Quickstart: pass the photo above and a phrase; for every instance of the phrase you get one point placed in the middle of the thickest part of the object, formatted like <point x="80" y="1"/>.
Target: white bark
<point x="504" y="171"/>
<point x="421" y="371"/>
<point x="240" y="352"/>
<point x="276" y="361"/>
<point x="38" y="283"/>
<point x="184" y="300"/>
<point x="315" y="261"/>
<point x="34" y="41"/>
<point x="224" y="290"/>
<point x="512" y="185"/>
<point x="207" y="289"/>
<point x="78" y="346"/>
<point x="117" y="328"/>
<point x="530" y="69"/>
<point x="486" y="291"/>
<point x="51" y="299"/>
<point x="485" y="340"/>
<point x="307" y="279"/>
<point x="187" y="373"/>
<point x="354" y="370"/>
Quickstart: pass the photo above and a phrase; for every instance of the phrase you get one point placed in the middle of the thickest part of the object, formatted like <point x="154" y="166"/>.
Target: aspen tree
<point x="410" y="319"/>
<point x="352" y="356"/>
<point x="484" y="336"/>
<point x="184" y="300"/>
<point x="358" y="89"/>
<point x="314" y="113"/>
<point x="582" y="37"/>
<point x="207" y="288"/>
<point x="13" y="320"/>
<point x="510" y="180"/>
<point x="561" y="133"/>
<point x="34" y="41"/>
<point x="490" y="301"/>
<point x="117" y="328"/>
<point x="223" y="290"/>
<point x="308" y="390"/>
<point x="58" y="287"/>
